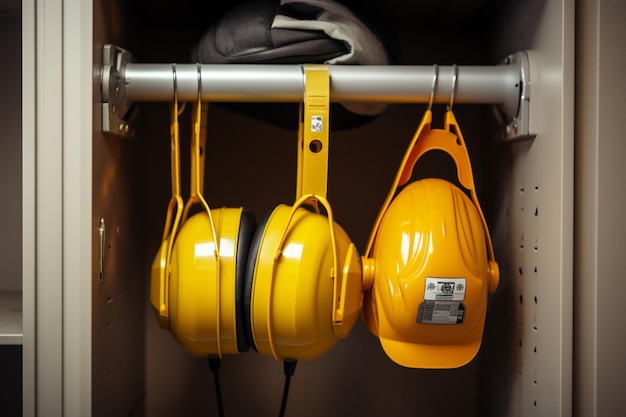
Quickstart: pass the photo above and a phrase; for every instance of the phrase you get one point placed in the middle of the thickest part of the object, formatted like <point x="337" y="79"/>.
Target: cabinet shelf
<point x="11" y="318"/>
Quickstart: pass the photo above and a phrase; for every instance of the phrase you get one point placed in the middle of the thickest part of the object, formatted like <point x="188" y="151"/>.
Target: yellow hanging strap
<point x="312" y="181"/>
<point x="314" y="133"/>
<point x="464" y="166"/>
<point x="400" y="179"/>
<point x="173" y="216"/>
<point x="198" y="151"/>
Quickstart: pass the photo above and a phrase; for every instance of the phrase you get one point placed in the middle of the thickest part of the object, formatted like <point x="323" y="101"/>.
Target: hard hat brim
<point x="427" y="356"/>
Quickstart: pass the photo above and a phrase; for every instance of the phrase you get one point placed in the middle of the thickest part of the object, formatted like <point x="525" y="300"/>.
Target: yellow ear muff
<point x="304" y="288"/>
<point x="430" y="261"/>
<point x="206" y="304"/>
<point x="208" y="265"/>
<point x="304" y="283"/>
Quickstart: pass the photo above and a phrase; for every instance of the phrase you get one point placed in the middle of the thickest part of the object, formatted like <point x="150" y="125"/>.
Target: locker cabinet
<point x="90" y="342"/>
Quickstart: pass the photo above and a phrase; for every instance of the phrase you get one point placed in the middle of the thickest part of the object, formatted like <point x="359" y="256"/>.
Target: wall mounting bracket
<point x="117" y="110"/>
<point x="515" y="122"/>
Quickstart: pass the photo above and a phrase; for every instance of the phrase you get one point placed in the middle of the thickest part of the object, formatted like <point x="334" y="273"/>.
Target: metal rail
<point x="125" y="82"/>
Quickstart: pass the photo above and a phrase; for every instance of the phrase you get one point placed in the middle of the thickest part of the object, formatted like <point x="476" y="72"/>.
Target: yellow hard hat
<point x="430" y="305"/>
<point x="429" y="264"/>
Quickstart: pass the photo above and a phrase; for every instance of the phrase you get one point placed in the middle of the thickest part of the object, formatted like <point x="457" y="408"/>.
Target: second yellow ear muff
<point x="304" y="288"/>
<point x="429" y="261"/>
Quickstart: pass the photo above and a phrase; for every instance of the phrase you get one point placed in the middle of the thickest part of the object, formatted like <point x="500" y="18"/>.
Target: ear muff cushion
<point x="255" y="246"/>
<point x="253" y="251"/>
<point x="247" y="227"/>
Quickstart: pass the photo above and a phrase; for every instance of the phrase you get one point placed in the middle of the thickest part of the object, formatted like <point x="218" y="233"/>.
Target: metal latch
<point x="101" y="250"/>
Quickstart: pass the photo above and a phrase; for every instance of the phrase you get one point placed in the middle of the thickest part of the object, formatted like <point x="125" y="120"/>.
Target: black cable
<point x="289" y="367"/>
<point x="214" y="365"/>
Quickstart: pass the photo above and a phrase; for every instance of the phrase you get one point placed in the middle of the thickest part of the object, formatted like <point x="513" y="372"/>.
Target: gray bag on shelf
<point x="294" y="32"/>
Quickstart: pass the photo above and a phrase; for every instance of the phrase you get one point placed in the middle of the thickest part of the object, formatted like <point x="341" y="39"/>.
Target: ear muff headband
<point x="160" y="267"/>
<point x="427" y="139"/>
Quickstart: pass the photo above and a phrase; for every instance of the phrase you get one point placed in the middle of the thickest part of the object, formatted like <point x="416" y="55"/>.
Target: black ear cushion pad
<point x="249" y="277"/>
<point x="247" y="227"/>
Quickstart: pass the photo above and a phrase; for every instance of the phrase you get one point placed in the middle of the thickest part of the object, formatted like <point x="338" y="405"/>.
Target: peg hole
<point x="315" y="146"/>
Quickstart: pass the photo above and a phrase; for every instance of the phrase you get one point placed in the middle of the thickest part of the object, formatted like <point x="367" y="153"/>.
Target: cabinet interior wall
<point x="11" y="152"/>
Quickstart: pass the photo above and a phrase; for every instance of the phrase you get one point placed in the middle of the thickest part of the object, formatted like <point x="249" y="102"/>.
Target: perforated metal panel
<point x="530" y="329"/>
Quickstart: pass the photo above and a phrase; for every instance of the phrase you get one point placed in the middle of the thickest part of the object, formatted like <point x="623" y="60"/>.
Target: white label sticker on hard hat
<point x="443" y="301"/>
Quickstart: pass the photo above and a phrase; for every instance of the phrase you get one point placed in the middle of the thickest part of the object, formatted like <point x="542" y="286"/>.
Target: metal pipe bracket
<point x="117" y="111"/>
<point x="515" y="122"/>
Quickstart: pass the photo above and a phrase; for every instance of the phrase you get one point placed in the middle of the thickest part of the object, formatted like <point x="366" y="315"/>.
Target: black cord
<point x="290" y="368"/>
<point x="214" y="365"/>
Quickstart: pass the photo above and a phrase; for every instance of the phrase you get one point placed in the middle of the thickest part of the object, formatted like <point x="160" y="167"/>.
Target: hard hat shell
<point x="429" y="297"/>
